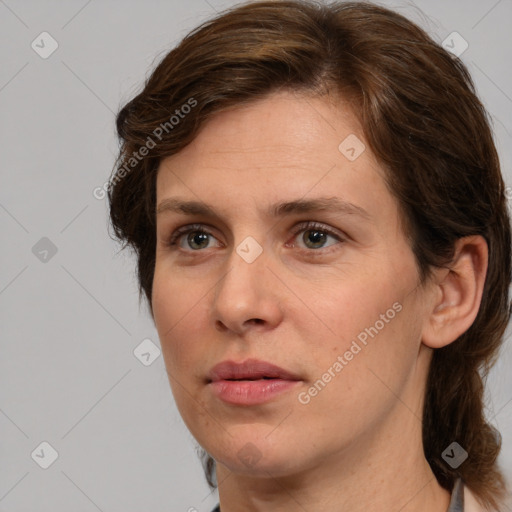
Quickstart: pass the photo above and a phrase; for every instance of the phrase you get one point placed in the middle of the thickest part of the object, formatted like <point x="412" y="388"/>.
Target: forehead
<point x="283" y="124"/>
<point x="282" y="147"/>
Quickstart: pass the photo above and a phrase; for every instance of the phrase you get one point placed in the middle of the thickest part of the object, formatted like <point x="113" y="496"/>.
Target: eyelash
<point x="304" y="226"/>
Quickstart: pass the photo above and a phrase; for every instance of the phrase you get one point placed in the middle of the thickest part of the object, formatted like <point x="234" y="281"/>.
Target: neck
<point x="348" y="482"/>
<point x="382" y="469"/>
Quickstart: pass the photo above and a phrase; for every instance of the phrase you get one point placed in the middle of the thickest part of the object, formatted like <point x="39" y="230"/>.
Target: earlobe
<point x="457" y="293"/>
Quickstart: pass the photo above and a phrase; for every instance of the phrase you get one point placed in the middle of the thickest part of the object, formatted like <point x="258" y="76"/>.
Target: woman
<point x="322" y="235"/>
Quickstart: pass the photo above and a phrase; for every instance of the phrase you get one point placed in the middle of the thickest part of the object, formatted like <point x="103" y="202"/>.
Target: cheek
<point x="177" y="318"/>
<point x="358" y="304"/>
<point x="372" y="328"/>
<point x="176" y="315"/>
<point x="361" y="371"/>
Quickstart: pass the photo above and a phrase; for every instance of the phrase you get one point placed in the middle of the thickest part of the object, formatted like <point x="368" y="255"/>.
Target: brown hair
<point x="423" y="121"/>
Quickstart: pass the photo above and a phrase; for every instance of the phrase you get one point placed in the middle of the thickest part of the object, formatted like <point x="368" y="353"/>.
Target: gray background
<point x="71" y="320"/>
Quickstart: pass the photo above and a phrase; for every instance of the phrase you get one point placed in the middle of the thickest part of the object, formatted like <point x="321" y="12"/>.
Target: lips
<point x="251" y="383"/>
<point x="251" y="369"/>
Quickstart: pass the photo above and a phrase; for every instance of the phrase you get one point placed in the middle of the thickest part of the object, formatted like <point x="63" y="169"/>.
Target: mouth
<point x="249" y="370"/>
<point x="252" y="382"/>
<point x="261" y="378"/>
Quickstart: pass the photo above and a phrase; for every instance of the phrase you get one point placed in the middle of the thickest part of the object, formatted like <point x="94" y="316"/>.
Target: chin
<point x="253" y="455"/>
<point x="249" y="463"/>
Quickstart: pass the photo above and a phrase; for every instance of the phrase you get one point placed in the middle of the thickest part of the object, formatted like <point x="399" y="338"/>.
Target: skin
<point x="356" y="446"/>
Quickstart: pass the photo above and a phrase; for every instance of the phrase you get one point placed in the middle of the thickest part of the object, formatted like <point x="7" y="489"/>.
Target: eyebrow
<point x="333" y="204"/>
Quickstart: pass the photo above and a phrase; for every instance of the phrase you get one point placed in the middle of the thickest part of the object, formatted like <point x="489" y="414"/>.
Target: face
<point x="325" y="287"/>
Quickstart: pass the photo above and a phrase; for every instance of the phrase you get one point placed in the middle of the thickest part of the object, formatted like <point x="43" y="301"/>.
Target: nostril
<point x="220" y="326"/>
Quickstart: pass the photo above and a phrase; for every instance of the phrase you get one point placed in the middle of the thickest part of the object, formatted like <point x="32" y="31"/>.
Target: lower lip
<point x="250" y="392"/>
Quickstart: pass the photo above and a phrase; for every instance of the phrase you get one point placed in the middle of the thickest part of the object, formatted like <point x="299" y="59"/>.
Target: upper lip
<point x="249" y="369"/>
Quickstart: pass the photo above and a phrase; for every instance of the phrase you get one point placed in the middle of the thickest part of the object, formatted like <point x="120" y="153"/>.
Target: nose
<point x="247" y="297"/>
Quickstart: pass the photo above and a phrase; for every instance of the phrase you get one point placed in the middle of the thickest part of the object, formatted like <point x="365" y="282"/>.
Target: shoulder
<point x="470" y="502"/>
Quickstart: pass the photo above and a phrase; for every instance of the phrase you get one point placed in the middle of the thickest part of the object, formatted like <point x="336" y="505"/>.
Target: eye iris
<point x="195" y="236"/>
<point x="316" y="237"/>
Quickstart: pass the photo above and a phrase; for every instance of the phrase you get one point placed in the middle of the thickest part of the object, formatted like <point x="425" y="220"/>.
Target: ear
<point x="457" y="293"/>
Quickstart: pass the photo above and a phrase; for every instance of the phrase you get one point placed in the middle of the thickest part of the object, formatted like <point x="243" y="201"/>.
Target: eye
<point x="197" y="237"/>
<point x="316" y="235"/>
